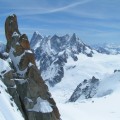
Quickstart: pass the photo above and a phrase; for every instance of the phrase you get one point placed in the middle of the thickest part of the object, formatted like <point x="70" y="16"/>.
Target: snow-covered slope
<point x="104" y="105"/>
<point x="8" y="109"/>
<point x="100" y="66"/>
<point x="104" y="87"/>
<point x="104" y="108"/>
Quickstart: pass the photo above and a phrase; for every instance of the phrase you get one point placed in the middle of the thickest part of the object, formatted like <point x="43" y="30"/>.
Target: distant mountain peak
<point x="55" y="36"/>
<point x="74" y="36"/>
<point x="36" y="39"/>
<point x="52" y="53"/>
<point x="107" y="48"/>
<point x="37" y="32"/>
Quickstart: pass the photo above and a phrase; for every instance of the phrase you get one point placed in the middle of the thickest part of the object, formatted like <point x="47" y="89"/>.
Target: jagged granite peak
<point x="52" y="53"/>
<point x="10" y="28"/>
<point x="36" y="39"/>
<point x="59" y="43"/>
<point x="86" y="89"/>
<point x="33" y="97"/>
<point x="73" y="39"/>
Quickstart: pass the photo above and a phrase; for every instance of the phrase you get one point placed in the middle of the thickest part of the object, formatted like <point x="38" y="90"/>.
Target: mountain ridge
<point x="52" y="52"/>
<point x="107" y="48"/>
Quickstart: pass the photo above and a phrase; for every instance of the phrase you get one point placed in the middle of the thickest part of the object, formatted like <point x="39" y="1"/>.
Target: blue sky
<point x="94" y="21"/>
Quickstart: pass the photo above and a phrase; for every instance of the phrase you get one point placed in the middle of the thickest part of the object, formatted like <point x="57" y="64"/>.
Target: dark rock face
<point x="31" y="93"/>
<point x="116" y="71"/>
<point x="51" y="54"/>
<point x="86" y="89"/>
<point x="4" y="56"/>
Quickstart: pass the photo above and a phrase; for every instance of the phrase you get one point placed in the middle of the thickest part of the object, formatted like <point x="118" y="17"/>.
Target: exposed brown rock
<point x="30" y="85"/>
<point x="18" y="50"/>
<point x="55" y="109"/>
<point x="11" y="26"/>
<point x="24" y="42"/>
<point x="25" y="60"/>
<point x="11" y="87"/>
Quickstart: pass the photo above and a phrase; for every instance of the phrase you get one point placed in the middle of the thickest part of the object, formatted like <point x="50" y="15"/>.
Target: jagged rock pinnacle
<point x="35" y="98"/>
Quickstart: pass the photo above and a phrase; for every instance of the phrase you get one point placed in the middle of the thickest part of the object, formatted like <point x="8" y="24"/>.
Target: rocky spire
<point x="36" y="101"/>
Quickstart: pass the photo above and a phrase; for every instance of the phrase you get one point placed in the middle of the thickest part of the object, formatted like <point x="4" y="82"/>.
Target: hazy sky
<point x="94" y="21"/>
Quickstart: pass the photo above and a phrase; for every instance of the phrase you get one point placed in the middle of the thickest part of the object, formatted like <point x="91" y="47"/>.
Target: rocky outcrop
<point x="85" y="90"/>
<point x="34" y="99"/>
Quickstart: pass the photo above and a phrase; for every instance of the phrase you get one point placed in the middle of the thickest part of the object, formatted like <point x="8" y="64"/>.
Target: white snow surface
<point x="4" y="66"/>
<point x="8" y="109"/>
<point x="88" y="50"/>
<point x="42" y="106"/>
<point x="15" y="34"/>
<point x="105" y="105"/>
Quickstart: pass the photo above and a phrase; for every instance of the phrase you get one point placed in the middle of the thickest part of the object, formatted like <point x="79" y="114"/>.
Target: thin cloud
<point x="69" y="6"/>
<point x="20" y="10"/>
